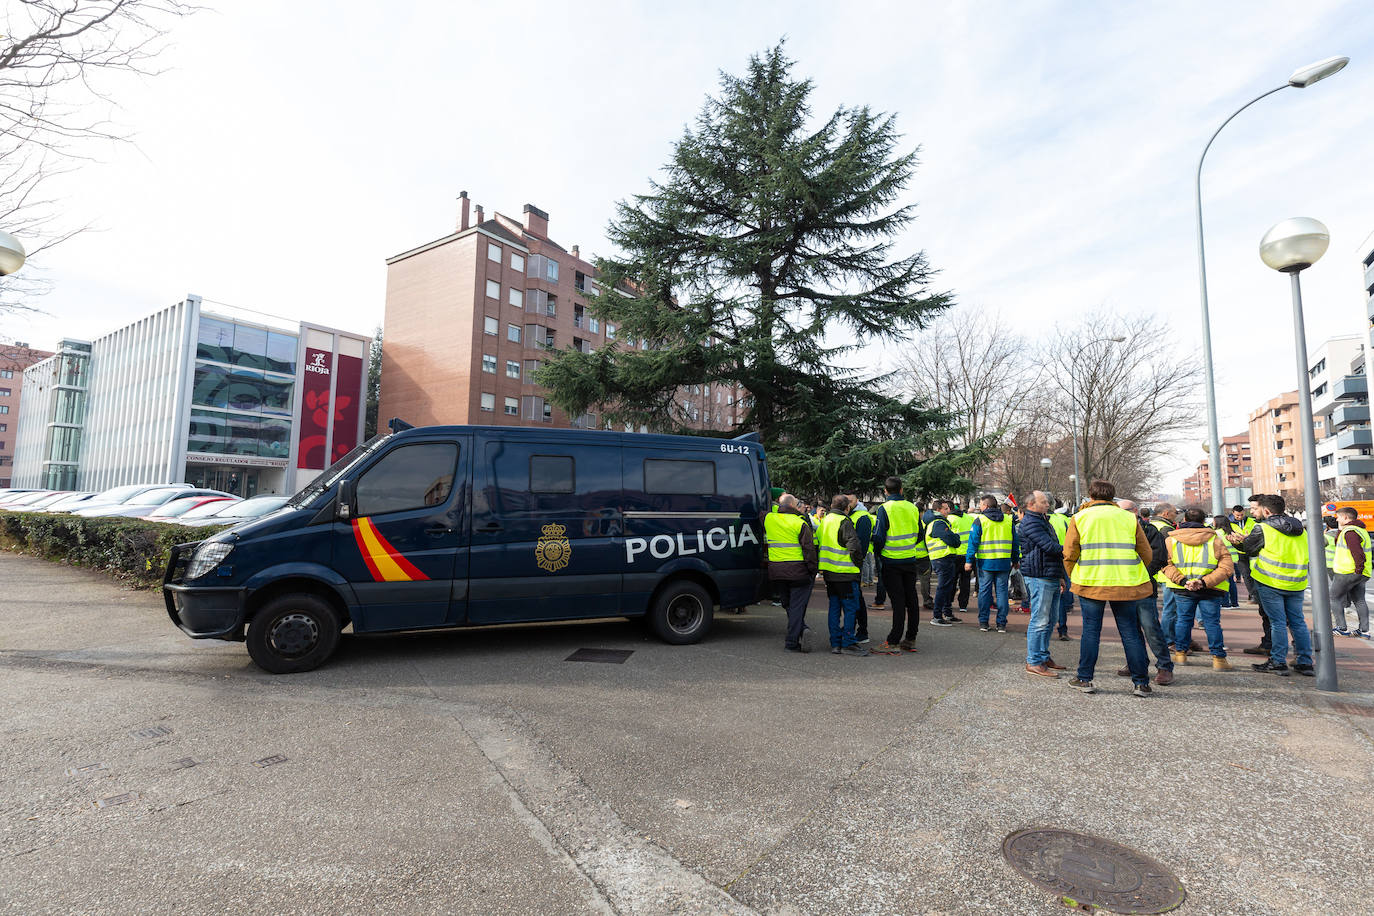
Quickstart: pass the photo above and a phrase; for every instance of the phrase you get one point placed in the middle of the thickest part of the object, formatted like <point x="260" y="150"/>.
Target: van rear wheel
<point x="682" y="613"/>
<point x="293" y="632"/>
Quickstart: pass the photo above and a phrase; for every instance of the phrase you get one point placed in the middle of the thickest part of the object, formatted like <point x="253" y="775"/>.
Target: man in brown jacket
<point x="791" y="557"/>
<point x="1197" y="572"/>
<point x="1106" y="554"/>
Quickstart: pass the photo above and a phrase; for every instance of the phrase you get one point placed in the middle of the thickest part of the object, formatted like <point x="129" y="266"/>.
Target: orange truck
<point x="1363" y="506"/>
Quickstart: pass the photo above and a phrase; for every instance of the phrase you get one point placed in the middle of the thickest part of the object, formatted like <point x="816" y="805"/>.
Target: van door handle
<point x="435" y="530"/>
<point x="490" y="528"/>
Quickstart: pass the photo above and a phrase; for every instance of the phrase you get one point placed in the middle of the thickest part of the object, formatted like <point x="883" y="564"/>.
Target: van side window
<point x="551" y="474"/>
<point x="410" y="477"/>
<point x="671" y="477"/>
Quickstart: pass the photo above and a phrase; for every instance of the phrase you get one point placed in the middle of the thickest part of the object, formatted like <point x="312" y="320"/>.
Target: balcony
<point x="1360" y="464"/>
<point x="1356" y="437"/>
<point x="1348" y="414"/>
<point x="1350" y="387"/>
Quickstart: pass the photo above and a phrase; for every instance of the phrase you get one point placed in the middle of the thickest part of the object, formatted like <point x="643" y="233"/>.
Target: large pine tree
<point x="763" y="258"/>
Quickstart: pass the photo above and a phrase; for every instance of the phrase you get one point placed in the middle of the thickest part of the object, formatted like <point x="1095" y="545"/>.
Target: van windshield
<point x="336" y="470"/>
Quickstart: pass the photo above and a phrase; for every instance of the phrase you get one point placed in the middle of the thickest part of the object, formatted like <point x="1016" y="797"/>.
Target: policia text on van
<point x="451" y="526"/>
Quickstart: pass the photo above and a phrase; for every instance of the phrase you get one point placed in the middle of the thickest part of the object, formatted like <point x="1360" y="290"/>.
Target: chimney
<point x="536" y="221"/>
<point x="463" y="221"/>
<point x="575" y="252"/>
<point x="479" y="215"/>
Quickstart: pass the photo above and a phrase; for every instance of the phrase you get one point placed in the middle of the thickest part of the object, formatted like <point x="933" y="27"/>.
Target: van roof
<point x="587" y="436"/>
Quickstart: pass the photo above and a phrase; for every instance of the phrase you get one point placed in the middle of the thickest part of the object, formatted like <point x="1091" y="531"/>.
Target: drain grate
<point x="1087" y="871"/>
<point x="269" y="761"/>
<point x="157" y="731"/>
<point x="116" y="800"/>
<point x="605" y="656"/>
<point x="84" y="768"/>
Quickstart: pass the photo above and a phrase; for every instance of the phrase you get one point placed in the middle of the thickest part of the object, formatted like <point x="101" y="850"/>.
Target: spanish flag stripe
<point x="390" y="561"/>
<point x="362" y="549"/>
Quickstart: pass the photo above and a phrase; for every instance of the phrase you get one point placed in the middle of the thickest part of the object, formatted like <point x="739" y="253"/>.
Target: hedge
<point x="129" y="549"/>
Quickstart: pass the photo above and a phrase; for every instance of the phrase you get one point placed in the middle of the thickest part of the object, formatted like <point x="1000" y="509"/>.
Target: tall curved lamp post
<point x="1300" y="79"/>
<point x="11" y="254"/>
<point x="1045" y="463"/>
<point x="1073" y="411"/>
<point x="1291" y="247"/>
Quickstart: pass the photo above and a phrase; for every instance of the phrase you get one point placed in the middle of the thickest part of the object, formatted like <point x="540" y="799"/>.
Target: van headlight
<point x="207" y="556"/>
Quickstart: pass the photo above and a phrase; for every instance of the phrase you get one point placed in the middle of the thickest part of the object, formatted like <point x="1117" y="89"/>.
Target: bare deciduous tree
<point x="54" y="55"/>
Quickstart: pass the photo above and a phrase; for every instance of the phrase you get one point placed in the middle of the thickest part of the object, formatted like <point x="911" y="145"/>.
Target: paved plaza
<point x="479" y="772"/>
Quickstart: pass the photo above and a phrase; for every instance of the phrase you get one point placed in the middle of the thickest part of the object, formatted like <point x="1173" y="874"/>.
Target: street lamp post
<point x="1045" y="463"/>
<point x="1292" y="246"/>
<point x="1300" y="79"/>
<point x="1073" y="412"/>
<point x="11" y="254"/>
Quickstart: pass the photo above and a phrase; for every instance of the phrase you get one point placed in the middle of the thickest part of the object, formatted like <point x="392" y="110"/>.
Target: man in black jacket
<point x="941" y="539"/>
<point x="1042" y="566"/>
<point x="797" y="576"/>
<point x="1148" y="608"/>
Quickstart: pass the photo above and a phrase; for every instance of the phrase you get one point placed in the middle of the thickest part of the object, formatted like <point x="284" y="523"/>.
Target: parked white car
<point x="233" y="513"/>
<point x="145" y="502"/>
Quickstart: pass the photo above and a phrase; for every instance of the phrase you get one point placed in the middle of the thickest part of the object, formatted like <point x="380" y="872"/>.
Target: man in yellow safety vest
<point x="840" y="554"/>
<point x="992" y="543"/>
<point x="792" y="563"/>
<point x="1350" y="566"/>
<point x="897" y="539"/>
<point x="943" y="546"/>
<point x="961" y="523"/>
<point x="1198" y="572"/>
<point x="1106" y="554"/>
<point x="1279" y="562"/>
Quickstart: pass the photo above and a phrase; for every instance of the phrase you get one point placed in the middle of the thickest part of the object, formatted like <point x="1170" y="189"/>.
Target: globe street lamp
<point x="1073" y="411"/>
<point x="1291" y="247"/>
<point x="11" y="254"/>
<point x="1045" y="463"/>
<point x="1300" y="79"/>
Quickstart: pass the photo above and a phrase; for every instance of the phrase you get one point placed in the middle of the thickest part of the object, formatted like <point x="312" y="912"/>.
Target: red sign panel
<point x="348" y="397"/>
<point x="314" y="419"/>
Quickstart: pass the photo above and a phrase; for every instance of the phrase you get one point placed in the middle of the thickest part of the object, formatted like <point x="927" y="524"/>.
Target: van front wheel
<point x="682" y="613"/>
<point x="292" y="633"/>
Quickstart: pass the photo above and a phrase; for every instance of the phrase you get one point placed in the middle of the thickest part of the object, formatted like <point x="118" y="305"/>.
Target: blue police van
<point x="459" y="526"/>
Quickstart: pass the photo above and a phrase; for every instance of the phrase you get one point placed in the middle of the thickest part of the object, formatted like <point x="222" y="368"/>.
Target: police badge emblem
<point x="553" y="550"/>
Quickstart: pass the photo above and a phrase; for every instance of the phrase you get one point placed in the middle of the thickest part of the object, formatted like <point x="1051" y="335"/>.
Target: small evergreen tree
<point x="763" y="258"/>
<point x="374" y="385"/>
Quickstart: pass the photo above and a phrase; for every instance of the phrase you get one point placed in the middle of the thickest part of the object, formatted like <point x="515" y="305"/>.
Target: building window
<point x="491" y="326"/>
<point x="512" y="407"/>
<point x="4" y="392"/>
<point x="551" y="270"/>
<point x="548" y="412"/>
<point x="4" y="408"/>
<point x="610" y="331"/>
<point x="493" y="290"/>
<point x="493" y="252"/>
<point x="488" y="363"/>
<point x="4" y="427"/>
<point x="488" y="401"/>
<point x="593" y="324"/>
<point x="517" y="297"/>
<point x="6" y="373"/>
<point x="531" y="367"/>
<point x="512" y="369"/>
<point x="517" y="262"/>
<point x="513" y="333"/>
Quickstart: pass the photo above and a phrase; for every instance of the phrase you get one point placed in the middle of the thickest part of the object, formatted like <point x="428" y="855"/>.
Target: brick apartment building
<point x="14" y="359"/>
<point x="1237" y="484"/>
<point x="1276" y="450"/>
<point x="471" y="316"/>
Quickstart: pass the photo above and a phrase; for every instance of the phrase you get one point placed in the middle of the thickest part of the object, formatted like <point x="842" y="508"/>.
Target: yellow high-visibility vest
<point x="1163" y="528"/>
<point x="1107" y="556"/>
<point x="994" y="538"/>
<point x="1282" y="561"/>
<point x="782" y="533"/>
<point x="1196" y="561"/>
<point x="937" y="548"/>
<point x="1060" y="524"/>
<point x="903" y="531"/>
<point x="1344" y="562"/>
<point x="833" y="556"/>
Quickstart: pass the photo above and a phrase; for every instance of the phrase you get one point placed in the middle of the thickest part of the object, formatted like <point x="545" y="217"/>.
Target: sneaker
<point x="1256" y="650"/>
<point x="1041" y="670"/>
<point x="834" y="650"/>
<point x="1124" y="672"/>
<point x="891" y="648"/>
<point x="1082" y="686"/>
<point x="1305" y="670"/>
<point x="982" y="628"/>
<point x="1141" y="690"/>
<point x="940" y="622"/>
<point x="1063" y="637"/>
<point x="1361" y="634"/>
<point x="952" y="619"/>
<point x="1164" y="678"/>
<point x="1220" y="664"/>
<point x="1339" y="631"/>
<point x="1052" y="665"/>
<point x="1024" y="609"/>
<point x="776" y="603"/>
<point x="877" y="604"/>
<point x="863" y="640"/>
<point x="857" y="651"/>
<point x="804" y="643"/>
<point x="1001" y="629"/>
<point x="1270" y="667"/>
<point x="907" y="645"/>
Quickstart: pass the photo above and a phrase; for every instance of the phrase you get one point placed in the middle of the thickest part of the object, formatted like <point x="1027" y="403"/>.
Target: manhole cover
<point x="608" y="656"/>
<point x="1089" y="870"/>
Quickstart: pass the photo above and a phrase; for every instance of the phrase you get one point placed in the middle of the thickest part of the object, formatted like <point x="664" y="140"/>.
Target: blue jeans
<point x="1208" y="610"/>
<point x="1232" y="598"/>
<point x="988" y="580"/>
<point x="1127" y="624"/>
<point x="1168" y="617"/>
<point x="1044" y="602"/>
<point x="947" y="573"/>
<point x="1154" y="632"/>
<point x="842" y="629"/>
<point x="1284" y="610"/>
<point x="1065" y="605"/>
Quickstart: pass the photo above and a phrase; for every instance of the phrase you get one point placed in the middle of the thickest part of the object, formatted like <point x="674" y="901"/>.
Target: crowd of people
<point x="1162" y="572"/>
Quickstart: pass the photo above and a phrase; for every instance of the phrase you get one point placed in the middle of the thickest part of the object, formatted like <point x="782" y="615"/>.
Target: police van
<point x="459" y="526"/>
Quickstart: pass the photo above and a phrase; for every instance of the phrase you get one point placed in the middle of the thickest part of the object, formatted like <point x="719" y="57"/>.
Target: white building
<point x="1340" y="414"/>
<point x="200" y="393"/>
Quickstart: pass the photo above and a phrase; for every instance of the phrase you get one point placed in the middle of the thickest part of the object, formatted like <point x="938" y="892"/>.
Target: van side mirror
<point x="344" y="505"/>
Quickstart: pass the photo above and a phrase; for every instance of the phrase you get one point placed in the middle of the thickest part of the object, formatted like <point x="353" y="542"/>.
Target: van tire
<point x="682" y="613"/>
<point x="294" y="632"/>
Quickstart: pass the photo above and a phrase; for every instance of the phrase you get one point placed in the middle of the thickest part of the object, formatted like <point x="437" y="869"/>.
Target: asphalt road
<point x="479" y="772"/>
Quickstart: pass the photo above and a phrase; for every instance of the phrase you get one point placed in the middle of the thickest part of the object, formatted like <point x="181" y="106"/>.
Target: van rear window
<point x="670" y="477"/>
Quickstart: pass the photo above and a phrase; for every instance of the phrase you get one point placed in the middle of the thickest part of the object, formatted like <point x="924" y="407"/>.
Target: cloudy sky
<point x="289" y="148"/>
